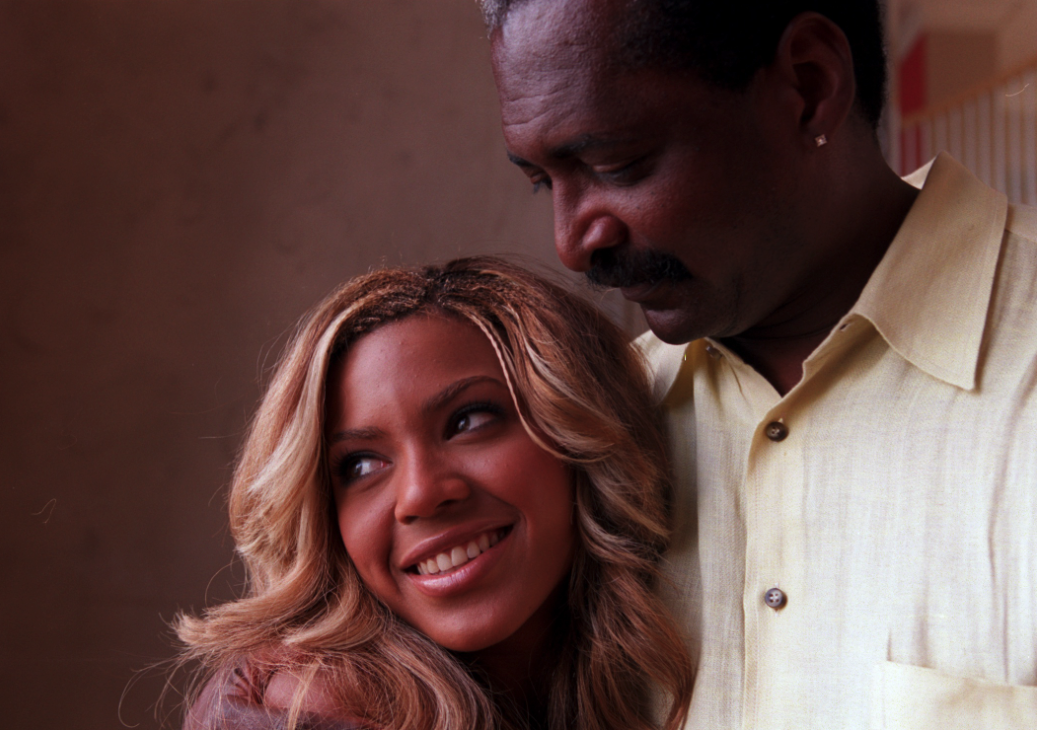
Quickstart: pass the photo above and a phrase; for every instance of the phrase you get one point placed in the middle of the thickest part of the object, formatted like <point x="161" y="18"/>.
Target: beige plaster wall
<point x="179" y="181"/>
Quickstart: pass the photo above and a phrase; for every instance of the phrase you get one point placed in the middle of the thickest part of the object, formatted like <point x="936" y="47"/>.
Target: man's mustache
<point x="612" y="268"/>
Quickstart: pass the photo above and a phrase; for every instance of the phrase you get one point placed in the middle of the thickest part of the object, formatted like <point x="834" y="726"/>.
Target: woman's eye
<point x="474" y="419"/>
<point x="358" y="467"/>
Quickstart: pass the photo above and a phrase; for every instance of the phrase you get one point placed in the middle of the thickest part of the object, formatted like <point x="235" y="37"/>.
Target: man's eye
<point x="626" y="174"/>
<point x="541" y="181"/>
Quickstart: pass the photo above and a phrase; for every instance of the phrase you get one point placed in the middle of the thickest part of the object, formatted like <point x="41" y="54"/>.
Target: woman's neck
<point x="519" y="669"/>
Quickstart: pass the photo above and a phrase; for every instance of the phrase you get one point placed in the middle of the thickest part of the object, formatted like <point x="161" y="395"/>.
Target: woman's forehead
<point x="412" y="360"/>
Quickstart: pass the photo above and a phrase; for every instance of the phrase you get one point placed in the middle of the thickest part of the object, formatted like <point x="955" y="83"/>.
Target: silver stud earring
<point x="820" y="140"/>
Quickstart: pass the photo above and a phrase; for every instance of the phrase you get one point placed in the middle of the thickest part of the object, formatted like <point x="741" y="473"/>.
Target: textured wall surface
<point x="179" y="181"/>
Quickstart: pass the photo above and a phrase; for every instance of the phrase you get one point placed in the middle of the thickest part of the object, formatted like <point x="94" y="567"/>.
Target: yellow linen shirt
<point x="898" y="515"/>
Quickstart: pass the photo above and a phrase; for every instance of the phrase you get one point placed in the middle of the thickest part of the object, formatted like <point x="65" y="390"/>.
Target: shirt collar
<point x="664" y="361"/>
<point x="929" y="295"/>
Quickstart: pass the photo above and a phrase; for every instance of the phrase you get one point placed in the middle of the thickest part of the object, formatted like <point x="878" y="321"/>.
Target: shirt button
<point x="712" y="352"/>
<point x="776" y="431"/>
<point x="775" y="598"/>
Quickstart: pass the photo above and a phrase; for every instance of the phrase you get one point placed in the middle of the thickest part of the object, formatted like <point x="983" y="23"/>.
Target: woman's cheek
<point x="365" y="525"/>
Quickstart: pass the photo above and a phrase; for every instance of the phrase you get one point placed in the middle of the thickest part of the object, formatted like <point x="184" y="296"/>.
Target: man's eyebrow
<point x="516" y="160"/>
<point x="448" y="393"/>
<point x="578" y="146"/>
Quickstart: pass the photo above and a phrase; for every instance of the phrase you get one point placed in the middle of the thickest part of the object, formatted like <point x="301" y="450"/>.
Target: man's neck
<point x="777" y="349"/>
<point x="779" y="361"/>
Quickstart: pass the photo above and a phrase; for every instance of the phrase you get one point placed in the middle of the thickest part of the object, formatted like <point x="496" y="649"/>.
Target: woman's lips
<point x="458" y="578"/>
<point x="455" y="557"/>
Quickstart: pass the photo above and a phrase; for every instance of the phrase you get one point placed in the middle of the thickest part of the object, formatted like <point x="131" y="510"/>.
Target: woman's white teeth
<point x="459" y="555"/>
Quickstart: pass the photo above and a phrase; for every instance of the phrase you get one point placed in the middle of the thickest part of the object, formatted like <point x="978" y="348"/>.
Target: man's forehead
<point x="552" y="54"/>
<point x="570" y="107"/>
<point x="552" y="35"/>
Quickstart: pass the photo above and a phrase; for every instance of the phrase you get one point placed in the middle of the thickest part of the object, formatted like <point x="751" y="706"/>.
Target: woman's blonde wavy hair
<point x="582" y="393"/>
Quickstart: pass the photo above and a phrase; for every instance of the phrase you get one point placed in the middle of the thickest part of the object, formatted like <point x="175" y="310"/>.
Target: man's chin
<point x="672" y="326"/>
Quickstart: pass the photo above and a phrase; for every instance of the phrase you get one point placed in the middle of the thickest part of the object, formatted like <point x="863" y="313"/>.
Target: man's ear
<point x="815" y="63"/>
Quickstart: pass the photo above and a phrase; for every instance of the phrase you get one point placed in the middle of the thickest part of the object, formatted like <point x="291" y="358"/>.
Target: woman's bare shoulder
<point x="252" y="696"/>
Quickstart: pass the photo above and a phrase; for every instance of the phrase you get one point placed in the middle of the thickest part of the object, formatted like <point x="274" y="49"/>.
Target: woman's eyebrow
<point x="430" y="405"/>
<point x="356" y="434"/>
<point x="448" y="393"/>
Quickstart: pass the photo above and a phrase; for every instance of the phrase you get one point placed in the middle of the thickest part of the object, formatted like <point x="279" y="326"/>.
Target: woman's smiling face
<point x="454" y="517"/>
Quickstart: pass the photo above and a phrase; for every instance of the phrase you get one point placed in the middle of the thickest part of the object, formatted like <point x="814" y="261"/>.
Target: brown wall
<point x="959" y="61"/>
<point x="179" y="181"/>
<point x="1017" y="40"/>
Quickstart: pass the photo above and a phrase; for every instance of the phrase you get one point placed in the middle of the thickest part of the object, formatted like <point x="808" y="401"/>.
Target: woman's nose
<point x="426" y="486"/>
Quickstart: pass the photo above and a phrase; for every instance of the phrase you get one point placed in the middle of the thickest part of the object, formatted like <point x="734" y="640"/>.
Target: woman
<point x="451" y="505"/>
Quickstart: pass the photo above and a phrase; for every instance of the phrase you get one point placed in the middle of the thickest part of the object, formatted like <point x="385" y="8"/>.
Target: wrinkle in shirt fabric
<point x="898" y="515"/>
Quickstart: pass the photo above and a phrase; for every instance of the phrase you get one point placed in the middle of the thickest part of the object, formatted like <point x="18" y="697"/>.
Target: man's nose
<point x="426" y="485"/>
<point x="581" y="228"/>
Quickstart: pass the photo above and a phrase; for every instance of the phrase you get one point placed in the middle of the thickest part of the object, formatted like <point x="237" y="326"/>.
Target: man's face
<point x="680" y="194"/>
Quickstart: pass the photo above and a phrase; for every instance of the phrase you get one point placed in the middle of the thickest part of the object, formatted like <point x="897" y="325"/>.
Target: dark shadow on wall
<point x="179" y="181"/>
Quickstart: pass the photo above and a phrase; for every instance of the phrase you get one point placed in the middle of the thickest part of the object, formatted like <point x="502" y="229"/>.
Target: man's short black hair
<point x="726" y="42"/>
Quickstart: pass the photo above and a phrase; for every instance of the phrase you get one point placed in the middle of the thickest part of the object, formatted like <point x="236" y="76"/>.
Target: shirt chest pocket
<point x="912" y="698"/>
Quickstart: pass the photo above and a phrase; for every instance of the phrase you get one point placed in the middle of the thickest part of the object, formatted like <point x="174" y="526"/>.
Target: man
<point x="854" y="423"/>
